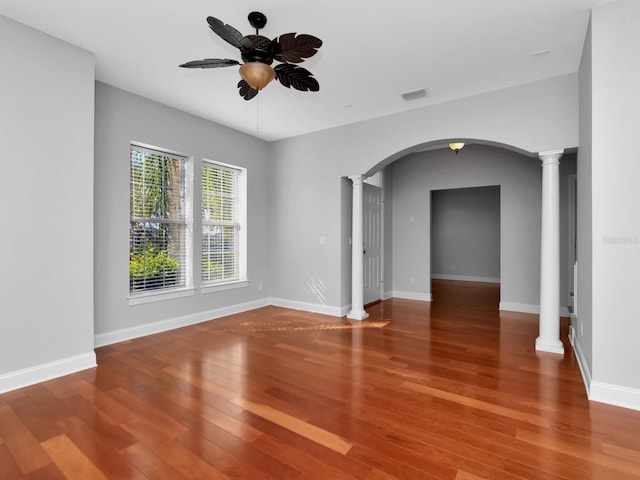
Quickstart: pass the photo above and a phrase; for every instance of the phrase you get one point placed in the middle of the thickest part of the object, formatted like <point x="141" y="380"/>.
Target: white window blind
<point x="157" y="232"/>
<point x="221" y="223"/>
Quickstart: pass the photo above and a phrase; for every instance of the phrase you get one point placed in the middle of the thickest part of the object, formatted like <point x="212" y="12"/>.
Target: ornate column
<point x="549" y="339"/>
<point x="357" y="253"/>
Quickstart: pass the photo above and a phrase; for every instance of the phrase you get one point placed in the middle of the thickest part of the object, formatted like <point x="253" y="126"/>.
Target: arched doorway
<point x="412" y="175"/>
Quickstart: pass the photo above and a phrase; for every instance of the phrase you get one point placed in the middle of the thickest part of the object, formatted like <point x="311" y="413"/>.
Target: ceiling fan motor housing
<point x="262" y="50"/>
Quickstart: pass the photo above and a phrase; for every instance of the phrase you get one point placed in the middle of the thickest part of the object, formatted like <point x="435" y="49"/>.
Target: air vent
<point x="415" y="94"/>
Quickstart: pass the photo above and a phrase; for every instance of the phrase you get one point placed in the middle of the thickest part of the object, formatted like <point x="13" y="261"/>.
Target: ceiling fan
<point x="259" y="52"/>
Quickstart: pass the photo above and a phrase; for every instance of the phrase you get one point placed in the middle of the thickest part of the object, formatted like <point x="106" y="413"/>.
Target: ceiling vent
<point x="415" y="94"/>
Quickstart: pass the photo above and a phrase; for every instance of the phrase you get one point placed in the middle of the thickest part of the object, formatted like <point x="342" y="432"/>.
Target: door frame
<point x="376" y="182"/>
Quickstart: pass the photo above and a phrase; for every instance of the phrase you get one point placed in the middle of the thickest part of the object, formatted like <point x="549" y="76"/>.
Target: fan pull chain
<point x="258" y="114"/>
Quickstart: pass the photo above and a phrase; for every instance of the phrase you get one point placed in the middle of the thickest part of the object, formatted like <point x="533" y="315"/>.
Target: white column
<point x="549" y="339"/>
<point x="357" y="252"/>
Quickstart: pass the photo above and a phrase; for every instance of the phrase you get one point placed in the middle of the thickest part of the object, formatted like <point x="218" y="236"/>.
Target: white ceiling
<point x="373" y="51"/>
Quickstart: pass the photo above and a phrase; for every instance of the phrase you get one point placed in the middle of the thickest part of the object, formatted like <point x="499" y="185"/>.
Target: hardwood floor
<point x="448" y="390"/>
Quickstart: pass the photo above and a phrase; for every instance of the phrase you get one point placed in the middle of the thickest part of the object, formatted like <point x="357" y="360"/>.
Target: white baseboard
<point x="528" y="308"/>
<point x="519" y="307"/>
<point x="311" y="307"/>
<point x="46" y="371"/>
<point x="387" y="295"/>
<point x="615" y="395"/>
<point x="423" y="297"/>
<point x="610" y="394"/>
<point x="108" y="338"/>
<point x="466" y="278"/>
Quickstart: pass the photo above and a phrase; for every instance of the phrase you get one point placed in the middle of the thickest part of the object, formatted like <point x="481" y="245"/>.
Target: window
<point x="223" y="233"/>
<point x="158" y="224"/>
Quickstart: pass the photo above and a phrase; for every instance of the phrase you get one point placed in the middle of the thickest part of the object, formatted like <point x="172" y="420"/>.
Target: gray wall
<point x="519" y="178"/>
<point x="615" y="227"/>
<point x="346" y="216"/>
<point x="387" y="214"/>
<point x="568" y="167"/>
<point x="121" y="118"/>
<point x="584" y="287"/>
<point x="46" y="133"/>
<point x="465" y="234"/>
<point x="534" y="117"/>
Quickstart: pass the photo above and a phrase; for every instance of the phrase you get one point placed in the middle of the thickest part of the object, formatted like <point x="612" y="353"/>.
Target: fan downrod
<point x="257" y="20"/>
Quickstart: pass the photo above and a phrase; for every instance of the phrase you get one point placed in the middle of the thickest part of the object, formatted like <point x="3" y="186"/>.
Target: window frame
<point x="187" y="289"/>
<point x="240" y="279"/>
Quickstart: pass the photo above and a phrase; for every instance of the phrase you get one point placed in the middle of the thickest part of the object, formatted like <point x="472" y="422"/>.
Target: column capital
<point x="357" y="179"/>
<point x="550" y="156"/>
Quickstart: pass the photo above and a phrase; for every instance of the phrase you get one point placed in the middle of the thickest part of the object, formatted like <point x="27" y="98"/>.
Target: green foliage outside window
<point x="151" y="268"/>
<point x="156" y="229"/>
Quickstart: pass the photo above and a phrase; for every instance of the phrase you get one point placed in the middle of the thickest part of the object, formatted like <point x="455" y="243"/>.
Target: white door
<point x="372" y="239"/>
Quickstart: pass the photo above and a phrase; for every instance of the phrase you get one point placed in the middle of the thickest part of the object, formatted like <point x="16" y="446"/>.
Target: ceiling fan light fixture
<point x="257" y="74"/>
<point x="456" y="146"/>
<point x="258" y="53"/>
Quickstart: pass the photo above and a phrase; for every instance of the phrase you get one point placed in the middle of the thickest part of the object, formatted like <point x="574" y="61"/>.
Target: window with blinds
<point x="221" y="223"/>
<point x="157" y="230"/>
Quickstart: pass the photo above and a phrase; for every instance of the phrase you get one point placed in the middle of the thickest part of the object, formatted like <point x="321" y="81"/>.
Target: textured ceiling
<point x="373" y="52"/>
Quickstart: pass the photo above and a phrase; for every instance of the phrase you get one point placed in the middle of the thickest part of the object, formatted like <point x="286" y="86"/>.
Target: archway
<point x="468" y="175"/>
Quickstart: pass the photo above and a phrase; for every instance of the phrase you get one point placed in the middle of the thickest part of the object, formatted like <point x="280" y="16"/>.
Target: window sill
<point x="220" y="287"/>
<point x="151" y="297"/>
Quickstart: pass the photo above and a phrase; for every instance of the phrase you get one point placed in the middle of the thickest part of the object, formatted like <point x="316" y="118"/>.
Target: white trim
<point x="241" y="214"/>
<point x="615" y="395"/>
<point x="557" y="348"/>
<point x="160" y="295"/>
<point x="387" y="295"/>
<point x="108" y="338"/>
<point x="551" y="155"/>
<point x="221" y="287"/>
<point x="308" y="307"/>
<point x="422" y="297"/>
<point x="519" y="307"/>
<point x="528" y="308"/>
<point x="608" y="393"/>
<point x="466" y="278"/>
<point x="358" y="316"/>
<point x="572" y="336"/>
<point x="46" y="371"/>
<point x="153" y="149"/>
<point x="582" y="363"/>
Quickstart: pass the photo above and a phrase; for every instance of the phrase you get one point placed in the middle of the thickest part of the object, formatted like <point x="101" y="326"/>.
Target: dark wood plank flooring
<point x="448" y="390"/>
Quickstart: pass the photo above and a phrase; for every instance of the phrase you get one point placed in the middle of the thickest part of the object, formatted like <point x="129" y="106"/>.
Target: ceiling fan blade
<point x="211" y="63"/>
<point x="246" y="91"/>
<point x="296" y="77"/>
<point x="291" y="49"/>
<point x="226" y="32"/>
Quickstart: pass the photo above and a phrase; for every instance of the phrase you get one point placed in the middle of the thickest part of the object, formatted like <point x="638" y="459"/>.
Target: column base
<point x="551" y="346"/>
<point x="357" y="315"/>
